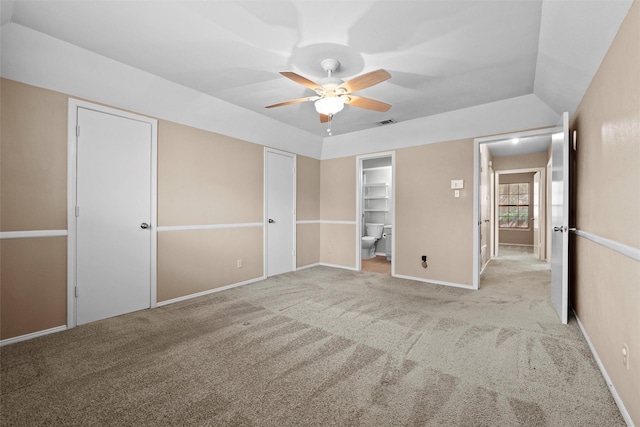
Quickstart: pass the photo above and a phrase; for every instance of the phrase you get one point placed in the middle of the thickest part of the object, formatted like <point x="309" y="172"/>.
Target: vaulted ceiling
<point x="442" y="55"/>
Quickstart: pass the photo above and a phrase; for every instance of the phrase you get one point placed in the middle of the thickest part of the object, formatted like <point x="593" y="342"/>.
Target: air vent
<point x="386" y="122"/>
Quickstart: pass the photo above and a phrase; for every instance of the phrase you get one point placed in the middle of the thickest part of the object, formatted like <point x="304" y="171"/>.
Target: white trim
<point x="72" y="120"/>
<point x="502" y="137"/>
<point x="476" y="190"/>
<point x="208" y="226"/>
<point x="621" y="248"/>
<point x="435" y="282"/>
<point x="209" y="292"/>
<point x="325" y="221"/>
<point x="32" y="335"/>
<point x="32" y="234"/>
<point x="476" y="215"/>
<point x="612" y="388"/>
<point x="338" y="222"/>
<point x="304" y="267"/>
<point x="343" y="267"/>
<point x="359" y="212"/>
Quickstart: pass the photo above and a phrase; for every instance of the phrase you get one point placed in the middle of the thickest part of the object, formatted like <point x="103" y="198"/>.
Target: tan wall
<point x="518" y="237"/>
<point x="338" y="244"/>
<point x="338" y="189"/>
<point x="33" y="181"/>
<point x="207" y="178"/>
<point x="525" y="161"/>
<point x="34" y="285"/>
<point x="307" y="244"/>
<point x="308" y="209"/>
<point x="200" y="260"/>
<point x="338" y="203"/>
<point x="429" y="219"/>
<point x="308" y="188"/>
<point x="606" y="285"/>
<point x="33" y="188"/>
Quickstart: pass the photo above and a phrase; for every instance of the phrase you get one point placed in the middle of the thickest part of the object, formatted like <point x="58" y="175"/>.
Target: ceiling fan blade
<point x="324" y="118"/>
<point x="368" y="103"/>
<point x="293" y="101"/>
<point x="301" y="80"/>
<point x="366" y="80"/>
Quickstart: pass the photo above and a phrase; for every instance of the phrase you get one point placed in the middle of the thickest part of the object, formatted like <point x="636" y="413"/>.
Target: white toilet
<point x="373" y="232"/>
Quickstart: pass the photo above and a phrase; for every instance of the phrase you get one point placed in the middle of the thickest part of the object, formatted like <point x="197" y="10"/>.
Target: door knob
<point x="144" y="225"/>
<point x="271" y="221"/>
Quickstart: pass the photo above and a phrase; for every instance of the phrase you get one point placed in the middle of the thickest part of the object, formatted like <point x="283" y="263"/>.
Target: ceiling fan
<point x="333" y="94"/>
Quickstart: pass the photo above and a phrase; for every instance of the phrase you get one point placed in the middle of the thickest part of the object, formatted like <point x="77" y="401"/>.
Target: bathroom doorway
<point x="375" y="206"/>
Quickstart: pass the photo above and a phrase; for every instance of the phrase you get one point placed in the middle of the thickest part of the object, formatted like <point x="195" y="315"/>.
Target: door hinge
<point x="77" y="130"/>
<point x="294" y="171"/>
<point x="294" y="253"/>
<point x="77" y="292"/>
<point x="77" y="211"/>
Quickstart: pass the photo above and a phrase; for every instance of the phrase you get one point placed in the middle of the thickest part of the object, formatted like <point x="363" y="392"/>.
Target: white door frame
<point x="265" y="270"/>
<point x="476" y="191"/>
<point x="72" y="121"/>
<point x="359" y="160"/>
<point x="496" y="221"/>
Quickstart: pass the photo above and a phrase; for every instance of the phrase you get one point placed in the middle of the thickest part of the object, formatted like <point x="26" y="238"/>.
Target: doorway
<point x="280" y="214"/>
<point x="559" y="178"/>
<point x="497" y="157"/>
<point x="521" y="210"/>
<point x="112" y="213"/>
<point x="375" y="209"/>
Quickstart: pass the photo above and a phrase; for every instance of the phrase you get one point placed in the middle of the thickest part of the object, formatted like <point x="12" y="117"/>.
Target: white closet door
<point x="280" y="211"/>
<point x="113" y="234"/>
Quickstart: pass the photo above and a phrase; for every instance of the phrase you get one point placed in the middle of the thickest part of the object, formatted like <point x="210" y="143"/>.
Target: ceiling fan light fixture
<point x="329" y="105"/>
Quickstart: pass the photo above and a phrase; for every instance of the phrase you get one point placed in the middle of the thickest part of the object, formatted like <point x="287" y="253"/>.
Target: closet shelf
<point x="376" y="197"/>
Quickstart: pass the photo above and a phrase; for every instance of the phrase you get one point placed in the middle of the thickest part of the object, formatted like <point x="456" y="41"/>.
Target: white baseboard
<point x="33" y="335"/>
<point x="303" y="267"/>
<point x="210" y="291"/>
<point x="344" y="267"/>
<point x="435" y="282"/>
<point x="612" y="388"/>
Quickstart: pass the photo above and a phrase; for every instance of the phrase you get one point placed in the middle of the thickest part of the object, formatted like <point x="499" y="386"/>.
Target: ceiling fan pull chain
<point x="329" y="124"/>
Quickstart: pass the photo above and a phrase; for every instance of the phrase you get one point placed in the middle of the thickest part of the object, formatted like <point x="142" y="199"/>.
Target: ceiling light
<point x="515" y="140"/>
<point x="329" y="105"/>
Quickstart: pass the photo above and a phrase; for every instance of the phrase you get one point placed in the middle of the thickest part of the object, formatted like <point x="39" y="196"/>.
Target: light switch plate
<point x="457" y="184"/>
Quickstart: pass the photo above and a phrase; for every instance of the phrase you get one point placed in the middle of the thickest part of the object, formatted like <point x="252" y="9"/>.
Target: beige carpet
<point x="321" y="347"/>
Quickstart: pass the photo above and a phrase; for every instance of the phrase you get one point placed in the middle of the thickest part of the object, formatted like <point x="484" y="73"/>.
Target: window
<point x="513" y="207"/>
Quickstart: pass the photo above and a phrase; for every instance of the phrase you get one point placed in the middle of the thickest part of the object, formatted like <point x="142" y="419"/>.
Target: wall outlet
<point x="625" y="355"/>
<point x="424" y="261"/>
<point x="240" y="263"/>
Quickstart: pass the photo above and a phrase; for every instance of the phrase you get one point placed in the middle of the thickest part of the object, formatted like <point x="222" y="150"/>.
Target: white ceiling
<point x="442" y="55"/>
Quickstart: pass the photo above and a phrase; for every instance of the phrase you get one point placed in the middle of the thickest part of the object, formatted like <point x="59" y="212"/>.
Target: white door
<point x="536" y="217"/>
<point x="485" y="191"/>
<point x="560" y="219"/>
<point x="280" y="212"/>
<point x="114" y="211"/>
